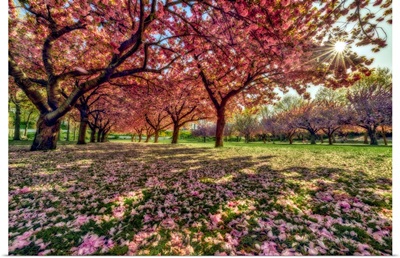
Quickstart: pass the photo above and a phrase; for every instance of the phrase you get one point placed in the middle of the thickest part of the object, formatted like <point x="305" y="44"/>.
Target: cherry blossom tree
<point x="308" y="117"/>
<point x="333" y="113"/>
<point x="204" y="129"/>
<point x="55" y="43"/>
<point x="241" y="47"/>
<point x="247" y="123"/>
<point x="371" y="102"/>
<point x="85" y="106"/>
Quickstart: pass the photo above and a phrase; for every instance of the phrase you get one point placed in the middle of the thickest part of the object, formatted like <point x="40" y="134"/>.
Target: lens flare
<point x="340" y="46"/>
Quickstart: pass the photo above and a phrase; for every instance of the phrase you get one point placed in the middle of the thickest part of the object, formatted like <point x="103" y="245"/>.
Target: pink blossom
<point x="312" y="250"/>
<point x="285" y="3"/>
<point x="321" y="244"/>
<point x="147" y="218"/>
<point x="23" y="190"/>
<point x="269" y="248"/>
<point x="325" y="233"/>
<point x="119" y="212"/>
<point x="344" y="205"/>
<point x="217" y="253"/>
<point x="362" y="247"/>
<point x="288" y="252"/>
<point x="231" y="241"/>
<point x="45" y="252"/>
<point x="194" y="193"/>
<point x="80" y="220"/>
<point x="90" y="244"/>
<point x="81" y="70"/>
<point x="215" y="219"/>
<point x="18" y="244"/>
<point x="168" y="223"/>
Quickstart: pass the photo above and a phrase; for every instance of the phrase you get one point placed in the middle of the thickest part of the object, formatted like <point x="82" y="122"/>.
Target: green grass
<point x="247" y="184"/>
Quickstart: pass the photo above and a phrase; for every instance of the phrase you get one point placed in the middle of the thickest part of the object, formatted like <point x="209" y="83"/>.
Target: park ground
<point x="122" y="198"/>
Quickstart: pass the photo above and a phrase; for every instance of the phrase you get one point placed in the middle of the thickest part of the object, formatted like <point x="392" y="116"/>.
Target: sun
<point x="340" y="46"/>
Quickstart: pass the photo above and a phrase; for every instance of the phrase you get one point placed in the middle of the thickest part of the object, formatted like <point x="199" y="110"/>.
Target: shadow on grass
<point x="197" y="181"/>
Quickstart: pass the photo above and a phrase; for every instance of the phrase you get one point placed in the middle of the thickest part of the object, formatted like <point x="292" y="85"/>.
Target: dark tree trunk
<point x="93" y="135"/>
<point x="59" y="133"/>
<point x="17" y="126"/>
<point x="140" y="137"/>
<point x="103" y="136"/>
<point x="372" y="136"/>
<point x="148" y="136"/>
<point x="74" y="131"/>
<point x="384" y="135"/>
<point x="132" y="137"/>
<point x="99" y="133"/>
<point x="313" y="138"/>
<point x="82" y="130"/>
<point x="366" y="138"/>
<point x="156" y="134"/>
<point x="330" y="139"/>
<point x="46" y="135"/>
<point x="68" y="130"/>
<point x="27" y="124"/>
<point x="175" y="134"/>
<point x="204" y="138"/>
<point x="219" y="134"/>
<point x="290" y="139"/>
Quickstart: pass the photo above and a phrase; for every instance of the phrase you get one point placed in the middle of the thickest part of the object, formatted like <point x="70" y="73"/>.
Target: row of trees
<point x="235" y="51"/>
<point x="366" y="105"/>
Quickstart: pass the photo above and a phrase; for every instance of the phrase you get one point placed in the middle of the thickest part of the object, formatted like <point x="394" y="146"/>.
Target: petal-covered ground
<point x="138" y="199"/>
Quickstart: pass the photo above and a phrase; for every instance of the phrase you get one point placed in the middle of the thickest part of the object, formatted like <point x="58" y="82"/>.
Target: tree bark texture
<point x="82" y="130"/>
<point x="46" y="135"/>
<point x="219" y="139"/>
<point x="17" y="125"/>
<point x="175" y="134"/>
<point x="372" y="136"/>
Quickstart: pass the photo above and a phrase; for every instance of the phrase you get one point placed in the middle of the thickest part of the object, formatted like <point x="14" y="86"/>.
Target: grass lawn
<point x="192" y="199"/>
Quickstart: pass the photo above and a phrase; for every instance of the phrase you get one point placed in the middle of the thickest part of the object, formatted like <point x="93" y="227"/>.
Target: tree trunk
<point x="68" y="129"/>
<point x="74" y="131"/>
<point x="204" y="138"/>
<point x="290" y="139"/>
<point x="27" y="124"/>
<point x="17" y="126"/>
<point x="99" y="133"/>
<point x="46" y="135"/>
<point x="132" y="138"/>
<point x="93" y="135"/>
<point x="147" y="137"/>
<point x="330" y="139"/>
<point x="366" y="138"/>
<point x="372" y="136"/>
<point x="321" y="138"/>
<point x="313" y="138"/>
<point x="175" y="134"/>
<point x="156" y="134"/>
<point x="82" y="130"/>
<point x="103" y="136"/>
<point x="219" y="139"/>
<point x="59" y="133"/>
<point x="384" y="135"/>
<point x="140" y="137"/>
